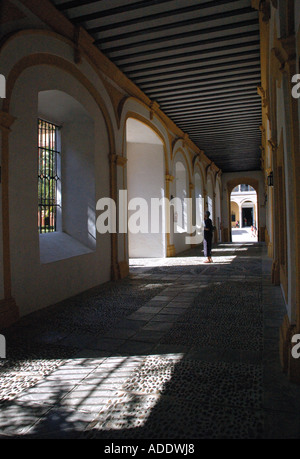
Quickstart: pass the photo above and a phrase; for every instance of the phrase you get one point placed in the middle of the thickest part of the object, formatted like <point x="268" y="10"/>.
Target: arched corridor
<point x="123" y="125"/>
<point x="244" y="214"/>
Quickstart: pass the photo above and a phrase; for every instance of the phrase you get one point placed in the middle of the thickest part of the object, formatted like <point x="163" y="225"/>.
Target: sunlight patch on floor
<point x="132" y="404"/>
<point x="176" y="261"/>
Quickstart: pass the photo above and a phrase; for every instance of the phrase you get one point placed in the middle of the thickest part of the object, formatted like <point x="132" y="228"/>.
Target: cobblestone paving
<point x="179" y="350"/>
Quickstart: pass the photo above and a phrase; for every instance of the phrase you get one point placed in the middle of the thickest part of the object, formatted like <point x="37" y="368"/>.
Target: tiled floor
<point x="180" y="350"/>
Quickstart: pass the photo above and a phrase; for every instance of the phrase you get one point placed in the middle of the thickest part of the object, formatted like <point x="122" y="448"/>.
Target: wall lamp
<point x="270" y="179"/>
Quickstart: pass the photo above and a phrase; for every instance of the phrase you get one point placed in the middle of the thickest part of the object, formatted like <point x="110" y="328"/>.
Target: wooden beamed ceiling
<point x="199" y="59"/>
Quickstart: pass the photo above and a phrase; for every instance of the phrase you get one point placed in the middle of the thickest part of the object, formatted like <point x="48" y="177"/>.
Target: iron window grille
<point x="48" y="176"/>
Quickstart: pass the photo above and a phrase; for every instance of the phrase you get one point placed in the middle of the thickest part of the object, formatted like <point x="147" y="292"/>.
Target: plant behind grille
<point x="47" y="176"/>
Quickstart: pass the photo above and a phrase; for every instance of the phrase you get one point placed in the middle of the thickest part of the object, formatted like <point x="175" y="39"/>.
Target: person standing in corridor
<point x="208" y="234"/>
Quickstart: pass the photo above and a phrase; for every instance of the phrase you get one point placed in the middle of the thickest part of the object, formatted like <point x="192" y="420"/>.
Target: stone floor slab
<point x="178" y="350"/>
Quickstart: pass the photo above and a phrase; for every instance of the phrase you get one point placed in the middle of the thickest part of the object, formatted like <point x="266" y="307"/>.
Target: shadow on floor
<point x="147" y="358"/>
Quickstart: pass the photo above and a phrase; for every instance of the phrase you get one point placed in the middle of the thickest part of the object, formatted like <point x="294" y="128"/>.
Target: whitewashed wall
<point x="44" y="284"/>
<point x="145" y="178"/>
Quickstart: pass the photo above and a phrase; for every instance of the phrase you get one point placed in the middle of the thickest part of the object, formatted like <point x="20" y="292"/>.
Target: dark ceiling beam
<point x="242" y="155"/>
<point x="217" y="105"/>
<point x="234" y="162"/>
<point x="245" y="78"/>
<point x="217" y="122"/>
<point x="190" y="57"/>
<point x="236" y="158"/>
<point x="218" y="89"/>
<point x="226" y="109"/>
<point x="200" y="61"/>
<point x="221" y="136"/>
<point x="249" y="157"/>
<point x="222" y="115"/>
<point x="196" y="97"/>
<point x="244" y="139"/>
<point x="196" y="114"/>
<point x="199" y="129"/>
<point x="187" y="55"/>
<point x="252" y="120"/>
<point x="241" y="152"/>
<point x="238" y="148"/>
<point x="246" y="156"/>
<point x="191" y="64"/>
<point x="227" y="144"/>
<point x="203" y="76"/>
<point x="215" y="98"/>
<point x="248" y="115"/>
<point x="247" y="11"/>
<point x="74" y="4"/>
<point x="127" y="54"/>
<point x="236" y="168"/>
<point x="184" y="123"/>
<point x="166" y="76"/>
<point x="175" y="48"/>
<point x="112" y="11"/>
<point x="201" y="107"/>
<point x="223" y="128"/>
<point x="249" y="162"/>
<point x="146" y="18"/>
<point x="217" y="125"/>
<point x="178" y="36"/>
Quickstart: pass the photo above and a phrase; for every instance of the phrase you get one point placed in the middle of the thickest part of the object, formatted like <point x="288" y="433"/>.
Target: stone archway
<point x="230" y="185"/>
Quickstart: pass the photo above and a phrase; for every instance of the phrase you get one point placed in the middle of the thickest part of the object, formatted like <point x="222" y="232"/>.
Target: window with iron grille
<point x="48" y="176"/>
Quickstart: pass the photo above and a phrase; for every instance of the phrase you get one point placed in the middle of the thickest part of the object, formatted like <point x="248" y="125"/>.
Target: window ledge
<point x="60" y="246"/>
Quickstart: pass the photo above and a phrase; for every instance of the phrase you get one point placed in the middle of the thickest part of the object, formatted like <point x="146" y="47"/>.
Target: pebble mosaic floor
<point x="178" y="350"/>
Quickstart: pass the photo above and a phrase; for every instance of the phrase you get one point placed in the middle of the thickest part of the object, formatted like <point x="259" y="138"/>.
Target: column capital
<point x="263" y="94"/>
<point x="263" y="6"/>
<point x="121" y="160"/>
<point x="169" y="178"/>
<point x="273" y="145"/>
<point x="285" y="52"/>
<point x="262" y="129"/>
<point x="185" y="138"/>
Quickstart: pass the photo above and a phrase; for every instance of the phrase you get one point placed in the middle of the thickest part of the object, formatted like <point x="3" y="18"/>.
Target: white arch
<point x="182" y="191"/>
<point x="133" y="108"/>
<point x="218" y="212"/>
<point x="210" y="197"/>
<point x="93" y="268"/>
<point x="145" y="184"/>
<point x="199" y="198"/>
<point x="51" y="43"/>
